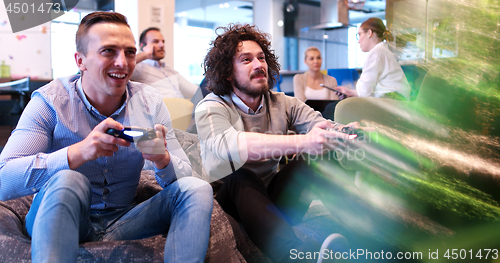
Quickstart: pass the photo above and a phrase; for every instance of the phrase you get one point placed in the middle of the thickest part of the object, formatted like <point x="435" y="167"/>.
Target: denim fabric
<point x="60" y="218"/>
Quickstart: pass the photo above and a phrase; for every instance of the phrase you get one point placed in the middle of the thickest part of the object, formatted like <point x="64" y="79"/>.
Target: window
<point x="191" y="45"/>
<point x="62" y="43"/>
<point x="194" y="29"/>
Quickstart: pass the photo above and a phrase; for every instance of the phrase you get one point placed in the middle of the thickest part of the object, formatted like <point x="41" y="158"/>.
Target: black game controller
<point x="353" y="133"/>
<point x="133" y="134"/>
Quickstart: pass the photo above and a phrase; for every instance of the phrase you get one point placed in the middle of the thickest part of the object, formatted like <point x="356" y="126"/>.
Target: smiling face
<point x="250" y="70"/>
<point x="109" y="62"/>
<point x="313" y="60"/>
<point x="156" y="39"/>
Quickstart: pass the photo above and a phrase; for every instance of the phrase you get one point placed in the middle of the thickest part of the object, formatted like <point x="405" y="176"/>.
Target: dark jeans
<point x="267" y="214"/>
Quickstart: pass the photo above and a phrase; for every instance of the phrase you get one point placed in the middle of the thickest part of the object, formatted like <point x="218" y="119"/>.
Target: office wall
<point x="26" y="52"/>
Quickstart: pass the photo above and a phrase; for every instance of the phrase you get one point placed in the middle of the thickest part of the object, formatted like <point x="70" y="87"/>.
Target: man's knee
<point x="71" y="181"/>
<point x="197" y="190"/>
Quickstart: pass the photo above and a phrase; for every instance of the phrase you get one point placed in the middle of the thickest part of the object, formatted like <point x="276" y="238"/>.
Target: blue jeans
<point x="60" y="218"/>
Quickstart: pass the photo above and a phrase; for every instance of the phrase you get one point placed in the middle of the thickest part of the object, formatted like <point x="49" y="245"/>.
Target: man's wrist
<point x="161" y="164"/>
<point x="75" y="158"/>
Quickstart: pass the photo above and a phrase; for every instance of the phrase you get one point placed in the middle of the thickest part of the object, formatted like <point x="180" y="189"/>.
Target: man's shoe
<point x="333" y="243"/>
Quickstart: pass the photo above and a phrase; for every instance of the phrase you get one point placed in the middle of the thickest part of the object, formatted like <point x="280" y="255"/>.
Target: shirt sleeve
<point x="332" y="83"/>
<point x="302" y="117"/>
<point x="299" y="87"/>
<point x="136" y="75"/>
<point x="179" y="165"/>
<point x="187" y="88"/>
<point x="218" y="129"/>
<point x="26" y="162"/>
<point x="370" y="75"/>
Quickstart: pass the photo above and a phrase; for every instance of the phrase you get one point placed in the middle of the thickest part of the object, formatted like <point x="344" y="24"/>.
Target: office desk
<point x="13" y="101"/>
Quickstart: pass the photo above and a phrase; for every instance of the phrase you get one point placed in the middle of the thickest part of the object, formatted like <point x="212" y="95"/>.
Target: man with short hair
<point x="85" y="180"/>
<point x="152" y="71"/>
<point x="243" y="128"/>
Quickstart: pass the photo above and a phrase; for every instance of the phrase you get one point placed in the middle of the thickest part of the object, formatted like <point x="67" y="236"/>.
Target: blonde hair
<point x="310" y="49"/>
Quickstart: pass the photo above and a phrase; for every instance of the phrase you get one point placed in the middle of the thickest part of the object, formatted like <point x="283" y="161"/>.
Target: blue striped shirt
<point x="59" y="115"/>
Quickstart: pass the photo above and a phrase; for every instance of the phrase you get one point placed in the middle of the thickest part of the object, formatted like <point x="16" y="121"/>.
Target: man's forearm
<point x="141" y="57"/>
<point x="261" y="146"/>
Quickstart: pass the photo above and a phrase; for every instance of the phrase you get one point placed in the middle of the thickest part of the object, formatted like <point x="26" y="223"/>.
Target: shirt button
<point x="103" y="198"/>
<point x="105" y="170"/>
<point x="34" y="189"/>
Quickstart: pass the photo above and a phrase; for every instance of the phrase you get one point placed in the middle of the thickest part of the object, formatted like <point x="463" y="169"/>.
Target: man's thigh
<point x="154" y="216"/>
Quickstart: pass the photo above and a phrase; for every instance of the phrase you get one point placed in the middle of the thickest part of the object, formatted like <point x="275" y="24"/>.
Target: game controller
<point x="353" y="133"/>
<point x="133" y="134"/>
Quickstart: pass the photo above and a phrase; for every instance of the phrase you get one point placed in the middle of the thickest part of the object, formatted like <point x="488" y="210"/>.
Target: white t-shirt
<point x="382" y="74"/>
<point x="316" y="94"/>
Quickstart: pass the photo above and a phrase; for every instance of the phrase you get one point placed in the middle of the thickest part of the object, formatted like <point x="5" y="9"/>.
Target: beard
<point x="252" y="91"/>
<point x="157" y="55"/>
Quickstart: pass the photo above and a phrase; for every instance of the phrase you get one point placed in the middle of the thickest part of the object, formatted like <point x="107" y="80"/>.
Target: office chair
<point x="19" y="88"/>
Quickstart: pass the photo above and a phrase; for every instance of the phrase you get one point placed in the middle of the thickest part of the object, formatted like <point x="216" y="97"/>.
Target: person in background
<point x="152" y="71"/>
<point x="306" y="86"/>
<point x="243" y="126"/>
<point x="85" y="180"/>
<point x="382" y="76"/>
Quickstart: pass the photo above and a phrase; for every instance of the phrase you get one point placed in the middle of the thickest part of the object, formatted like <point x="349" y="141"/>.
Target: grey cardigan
<point x="300" y="83"/>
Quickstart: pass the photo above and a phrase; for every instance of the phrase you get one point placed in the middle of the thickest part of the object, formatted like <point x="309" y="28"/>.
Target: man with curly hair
<point x="243" y="128"/>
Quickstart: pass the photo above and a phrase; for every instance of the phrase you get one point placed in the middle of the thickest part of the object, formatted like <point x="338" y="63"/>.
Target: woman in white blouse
<point x="382" y="76"/>
<point x="306" y="86"/>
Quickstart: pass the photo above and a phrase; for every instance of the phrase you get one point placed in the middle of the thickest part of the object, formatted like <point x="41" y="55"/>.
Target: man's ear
<point x="80" y="61"/>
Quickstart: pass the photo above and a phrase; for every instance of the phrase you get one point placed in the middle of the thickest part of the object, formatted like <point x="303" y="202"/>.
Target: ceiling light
<point x="280" y="23"/>
<point x="355" y="4"/>
<point x="221" y="6"/>
<point x="226" y="5"/>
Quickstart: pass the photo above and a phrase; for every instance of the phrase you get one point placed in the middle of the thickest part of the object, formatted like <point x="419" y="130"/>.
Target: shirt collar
<point x="89" y="106"/>
<point x="242" y="106"/>
<point x="154" y="63"/>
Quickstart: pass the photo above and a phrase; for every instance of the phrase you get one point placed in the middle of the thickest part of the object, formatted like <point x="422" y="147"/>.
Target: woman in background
<point x="382" y="76"/>
<point x="306" y="86"/>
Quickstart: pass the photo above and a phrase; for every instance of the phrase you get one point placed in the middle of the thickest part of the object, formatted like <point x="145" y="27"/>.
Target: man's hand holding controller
<point x="325" y="136"/>
<point x="99" y="143"/>
<point x="353" y="133"/>
<point x="151" y="142"/>
<point x="133" y="134"/>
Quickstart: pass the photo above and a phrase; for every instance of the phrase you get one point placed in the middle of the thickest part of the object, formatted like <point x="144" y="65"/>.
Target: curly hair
<point x="218" y="63"/>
